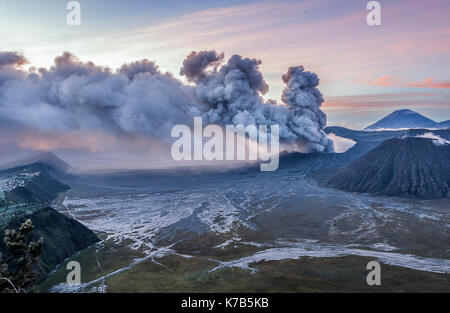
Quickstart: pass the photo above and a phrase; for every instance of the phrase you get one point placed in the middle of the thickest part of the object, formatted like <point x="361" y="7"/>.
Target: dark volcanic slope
<point x="63" y="237"/>
<point x="398" y="167"/>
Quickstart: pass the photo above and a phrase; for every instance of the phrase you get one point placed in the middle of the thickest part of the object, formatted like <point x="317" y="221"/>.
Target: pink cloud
<point x="382" y="81"/>
<point x="390" y="81"/>
<point x="429" y="83"/>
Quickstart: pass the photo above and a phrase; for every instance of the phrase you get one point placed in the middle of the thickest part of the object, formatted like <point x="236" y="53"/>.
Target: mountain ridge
<point x="46" y="158"/>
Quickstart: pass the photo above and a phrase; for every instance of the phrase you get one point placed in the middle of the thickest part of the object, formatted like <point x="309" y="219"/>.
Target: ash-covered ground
<point x="201" y="232"/>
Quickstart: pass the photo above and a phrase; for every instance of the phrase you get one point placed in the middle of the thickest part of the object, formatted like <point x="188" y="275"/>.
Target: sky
<point x="365" y="71"/>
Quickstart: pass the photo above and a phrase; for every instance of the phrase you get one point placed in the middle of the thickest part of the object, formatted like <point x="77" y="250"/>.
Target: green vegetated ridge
<point x="30" y="199"/>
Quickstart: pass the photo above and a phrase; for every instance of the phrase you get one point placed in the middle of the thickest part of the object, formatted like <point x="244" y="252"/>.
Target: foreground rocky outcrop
<point x="63" y="236"/>
<point x="417" y="167"/>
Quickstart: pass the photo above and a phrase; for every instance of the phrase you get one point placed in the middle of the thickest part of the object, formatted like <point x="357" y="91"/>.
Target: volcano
<point x="407" y="167"/>
<point x="402" y="119"/>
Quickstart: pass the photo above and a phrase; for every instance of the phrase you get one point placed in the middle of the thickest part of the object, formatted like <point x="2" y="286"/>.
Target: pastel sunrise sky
<point x="366" y="72"/>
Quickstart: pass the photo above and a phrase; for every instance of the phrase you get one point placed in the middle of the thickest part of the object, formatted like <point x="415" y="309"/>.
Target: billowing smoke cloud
<point x="195" y="65"/>
<point x="72" y="95"/>
<point x="233" y="95"/>
<point x="12" y="58"/>
<point x="138" y="100"/>
<point x="8" y="63"/>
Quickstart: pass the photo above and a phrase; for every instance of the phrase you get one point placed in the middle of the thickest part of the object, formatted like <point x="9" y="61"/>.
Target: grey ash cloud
<point x="233" y="92"/>
<point x="196" y="63"/>
<point x="12" y="58"/>
<point x="139" y="99"/>
<point x="73" y="95"/>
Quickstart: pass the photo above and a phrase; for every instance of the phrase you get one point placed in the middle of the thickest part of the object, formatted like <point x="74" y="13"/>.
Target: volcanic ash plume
<point x="73" y="96"/>
<point x="304" y="101"/>
<point x="138" y="100"/>
<point x="232" y="94"/>
<point x="11" y="58"/>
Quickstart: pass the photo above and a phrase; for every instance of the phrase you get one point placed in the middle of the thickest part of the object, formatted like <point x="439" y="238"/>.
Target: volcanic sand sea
<point x="262" y="231"/>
